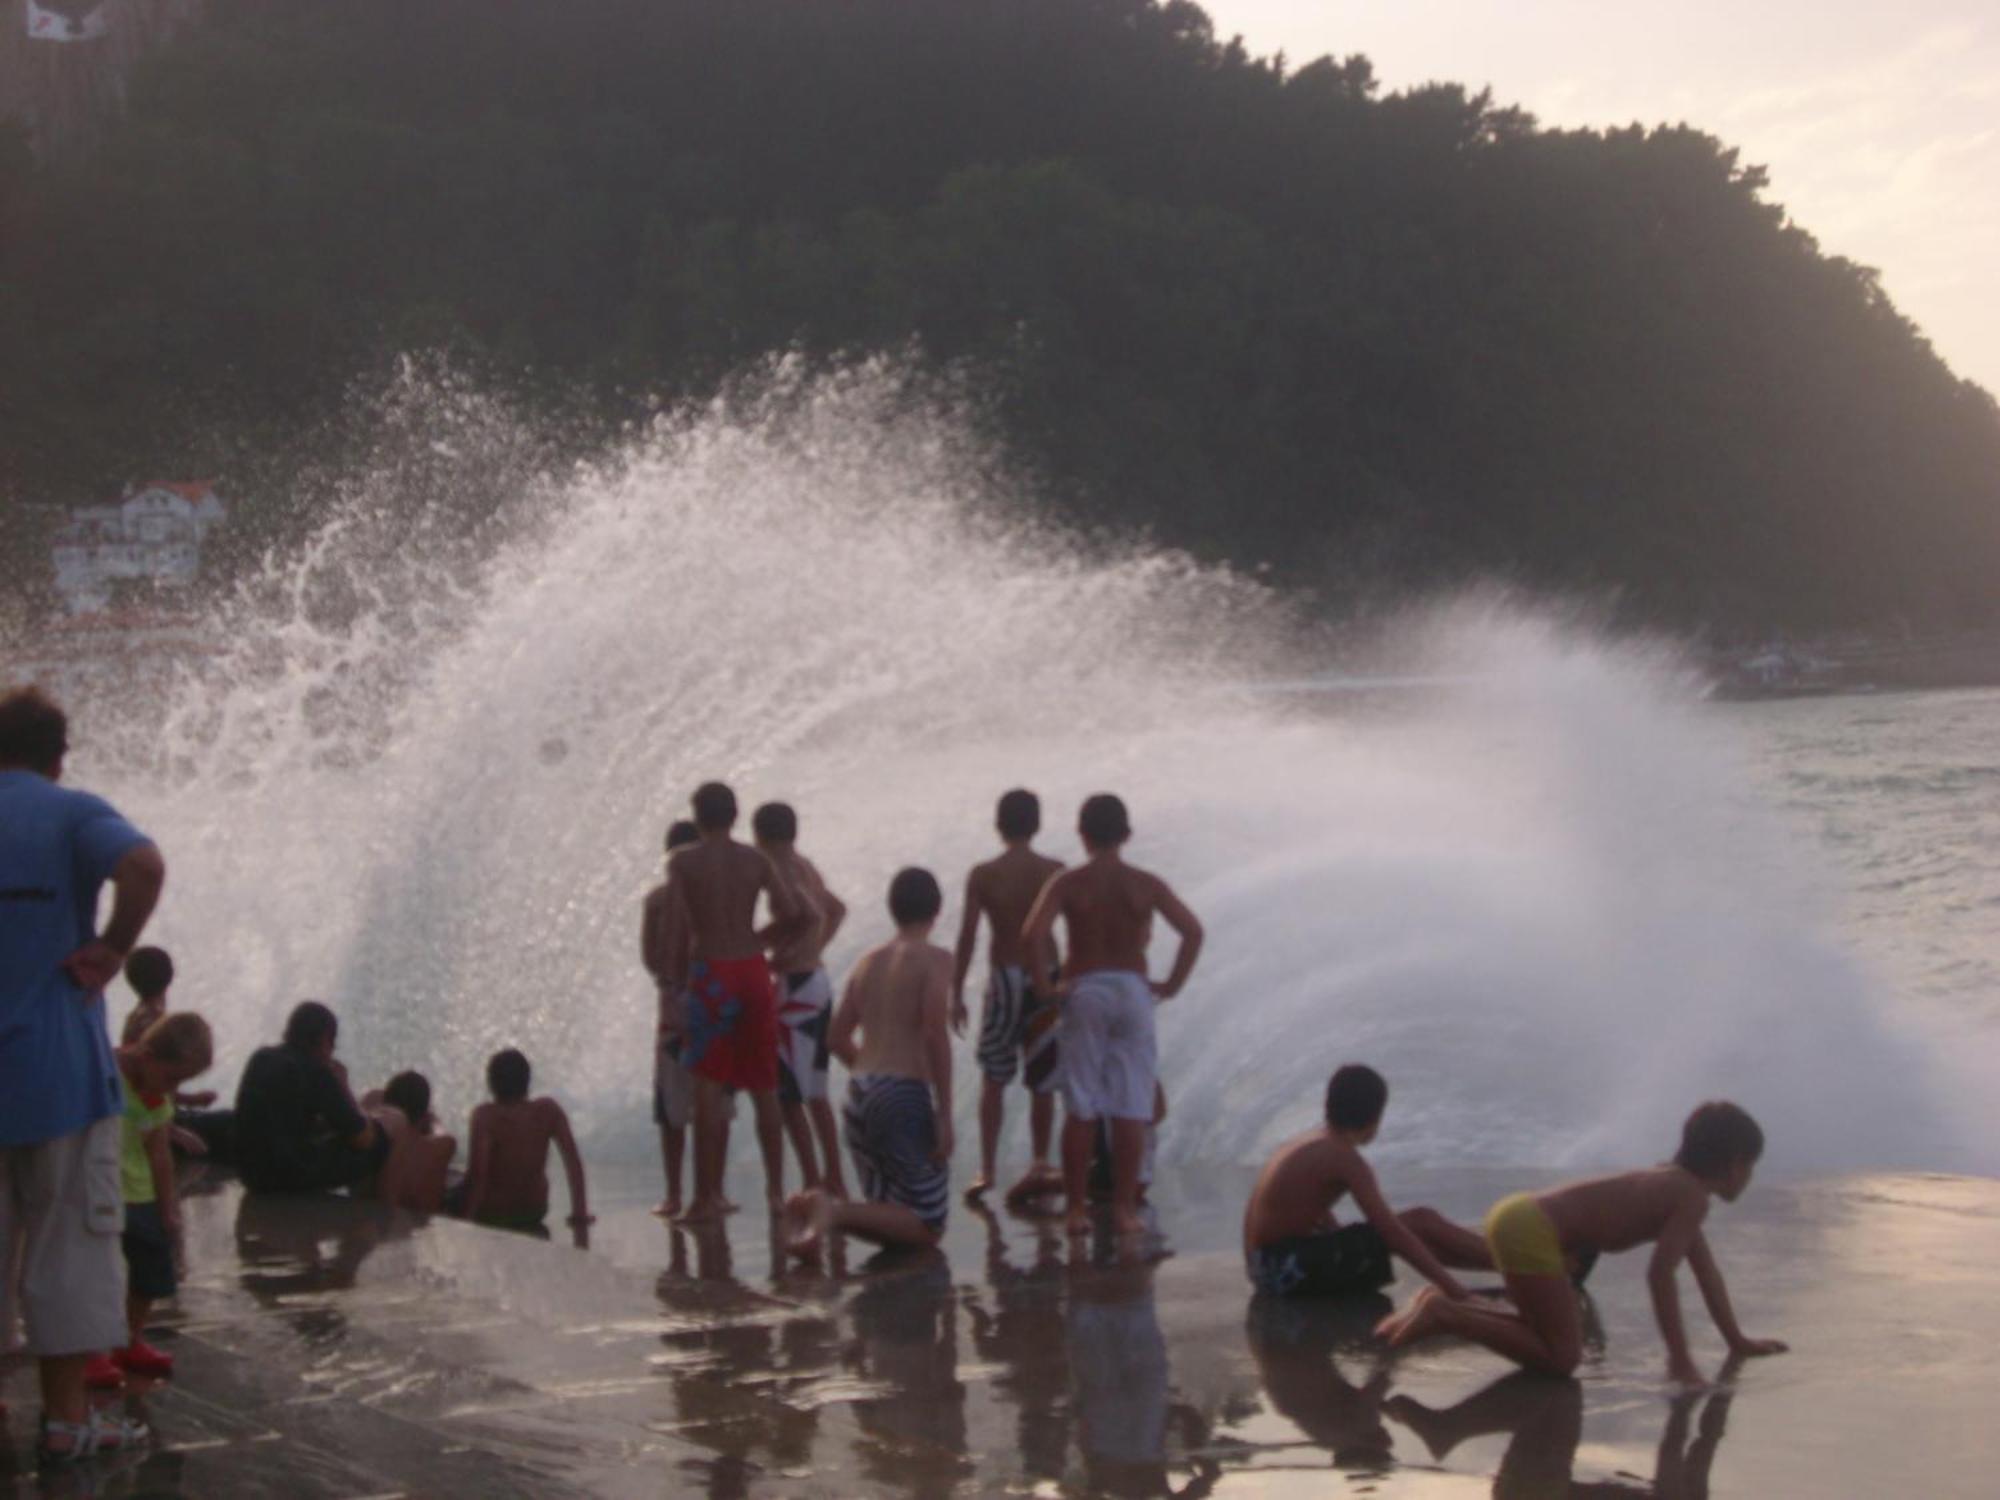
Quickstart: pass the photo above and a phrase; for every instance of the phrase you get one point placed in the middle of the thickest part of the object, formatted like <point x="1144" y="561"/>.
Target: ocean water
<point x="1522" y="867"/>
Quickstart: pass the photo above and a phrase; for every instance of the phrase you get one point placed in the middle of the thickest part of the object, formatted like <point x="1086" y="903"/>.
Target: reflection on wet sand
<point x="1017" y="1327"/>
<point x="1297" y="1348"/>
<point x="1544" y="1422"/>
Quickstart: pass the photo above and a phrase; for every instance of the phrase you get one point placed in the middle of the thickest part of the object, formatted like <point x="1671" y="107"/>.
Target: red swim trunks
<point x="732" y="1023"/>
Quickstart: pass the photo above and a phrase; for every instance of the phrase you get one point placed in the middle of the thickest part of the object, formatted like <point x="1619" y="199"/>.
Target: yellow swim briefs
<point x="1522" y="1239"/>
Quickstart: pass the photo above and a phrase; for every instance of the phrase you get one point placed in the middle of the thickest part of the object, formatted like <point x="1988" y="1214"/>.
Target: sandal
<point x="103" y="1432"/>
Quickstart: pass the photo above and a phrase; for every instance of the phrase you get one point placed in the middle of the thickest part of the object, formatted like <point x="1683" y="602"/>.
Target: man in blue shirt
<point x="60" y="1096"/>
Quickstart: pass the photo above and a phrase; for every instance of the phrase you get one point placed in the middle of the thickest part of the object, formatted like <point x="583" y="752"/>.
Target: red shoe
<point x="143" y="1359"/>
<point x="102" y="1373"/>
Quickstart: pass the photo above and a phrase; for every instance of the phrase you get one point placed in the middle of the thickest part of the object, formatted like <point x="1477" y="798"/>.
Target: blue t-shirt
<point x="57" y="848"/>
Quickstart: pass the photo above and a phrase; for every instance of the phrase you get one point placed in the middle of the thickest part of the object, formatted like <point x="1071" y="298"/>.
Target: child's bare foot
<point x="1127" y="1223"/>
<point x="804" y="1219"/>
<point x="1039" y="1181"/>
<point x="706" y="1211"/>
<point x="1076" y="1223"/>
<point x="1417" y="1322"/>
<point x="670" y="1209"/>
<point x="978" y="1188"/>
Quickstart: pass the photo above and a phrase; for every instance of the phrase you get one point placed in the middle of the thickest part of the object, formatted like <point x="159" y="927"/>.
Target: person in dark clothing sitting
<point x="297" y="1127"/>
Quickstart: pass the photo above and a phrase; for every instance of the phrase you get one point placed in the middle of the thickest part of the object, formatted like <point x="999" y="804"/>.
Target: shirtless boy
<point x="414" y="1176"/>
<point x="805" y="1005"/>
<point x="507" y="1180"/>
<point x="1291" y="1245"/>
<point x="1017" y="1022"/>
<point x="898" y="1110"/>
<point x="673" y="1085"/>
<point x="732" y="1013"/>
<point x="1110" y="1056"/>
<point x="1530" y="1233"/>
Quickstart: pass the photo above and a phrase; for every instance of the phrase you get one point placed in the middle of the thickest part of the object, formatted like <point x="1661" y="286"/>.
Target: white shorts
<point x="1110" y="1056"/>
<point x="805" y="1013"/>
<point x="63" y="1207"/>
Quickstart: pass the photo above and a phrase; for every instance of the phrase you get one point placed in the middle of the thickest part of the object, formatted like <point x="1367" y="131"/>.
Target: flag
<point x="54" y="21"/>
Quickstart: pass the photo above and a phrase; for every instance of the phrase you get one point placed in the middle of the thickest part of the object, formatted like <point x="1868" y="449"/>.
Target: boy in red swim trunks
<point x="732" y="1010"/>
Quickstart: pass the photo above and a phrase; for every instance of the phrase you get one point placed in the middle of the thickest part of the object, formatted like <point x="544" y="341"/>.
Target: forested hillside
<point x="1258" y="307"/>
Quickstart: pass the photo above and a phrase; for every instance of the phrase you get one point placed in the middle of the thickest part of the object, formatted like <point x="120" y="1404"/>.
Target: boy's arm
<point x="1715" y="1294"/>
<point x="937" y="1052"/>
<point x="572" y="1160"/>
<point x="791" y="915"/>
<point x="653" y="934"/>
<point x="968" y="945"/>
<point x="1683" y="1228"/>
<point x="1038" y="937"/>
<point x="832" y="910"/>
<point x="1188" y="925"/>
<point x="846" y="1016"/>
<point x="160" y="1157"/>
<point x="1367" y="1195"/>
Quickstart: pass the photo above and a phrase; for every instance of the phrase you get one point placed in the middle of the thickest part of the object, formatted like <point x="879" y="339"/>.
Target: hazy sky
<point x="1879" y="123"/>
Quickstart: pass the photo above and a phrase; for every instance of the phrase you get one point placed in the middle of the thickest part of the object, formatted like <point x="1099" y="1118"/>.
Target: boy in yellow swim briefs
<point x="1529" y="1235"/>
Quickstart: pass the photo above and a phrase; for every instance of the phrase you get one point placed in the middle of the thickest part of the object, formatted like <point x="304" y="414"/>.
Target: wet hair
<point x="681" y="834"/>
<point x="914" y="896"/>
<point x="1355" y="1097"/>
<point x="1716" y="1137"/>
<point x="775" y="823"/>
<point x="1019" y="815"/>
<point x="1104" y="823"/>
<point x="714" y="807"/>
<point x="150" y="972"/>
<point x="410" y="1092"/>
<point x="309" y="1024"/>
<point x="182" y="1041"/>
<point x="507" y="1075"/>
<point x="34" y="732"/>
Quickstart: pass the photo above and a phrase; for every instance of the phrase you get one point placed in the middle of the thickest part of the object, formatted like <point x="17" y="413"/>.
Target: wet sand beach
<point x="329" y="1351"/>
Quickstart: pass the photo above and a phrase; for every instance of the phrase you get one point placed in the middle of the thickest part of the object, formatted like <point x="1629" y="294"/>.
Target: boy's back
<point x="1295" y="1193"/>
<point x="1004" y="889"/>
<point x="1625" y="1209"/>
<point x="510" y="1158"/>
<point x="892" y="987"/>
<point x="1109" y="907"/>
<point x="720" y="882"/>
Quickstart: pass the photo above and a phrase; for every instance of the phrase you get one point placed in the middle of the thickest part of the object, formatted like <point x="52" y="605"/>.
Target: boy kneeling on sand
<point x="1530" y="1234"/>
<point x="1291" y="1245"/>
<point x="898" y="1113"/>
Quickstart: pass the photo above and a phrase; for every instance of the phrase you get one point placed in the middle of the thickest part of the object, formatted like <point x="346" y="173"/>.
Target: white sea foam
<point x="427" y="781"/>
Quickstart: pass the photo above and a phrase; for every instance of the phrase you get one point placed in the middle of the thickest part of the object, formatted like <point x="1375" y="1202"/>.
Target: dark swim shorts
<point x="1339" y="1262"/>
<point x="149" y="1253"/>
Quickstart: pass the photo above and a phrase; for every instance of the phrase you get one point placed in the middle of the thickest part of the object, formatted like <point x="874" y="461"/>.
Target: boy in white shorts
<point x="1110" y="1055"/>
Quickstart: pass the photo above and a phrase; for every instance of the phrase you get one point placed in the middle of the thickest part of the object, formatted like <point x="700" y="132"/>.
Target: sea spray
<point x="427" y="774"/>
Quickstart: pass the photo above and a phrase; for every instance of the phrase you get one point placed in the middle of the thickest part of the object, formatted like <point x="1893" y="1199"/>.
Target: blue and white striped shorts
<point x="891" y="1134"/>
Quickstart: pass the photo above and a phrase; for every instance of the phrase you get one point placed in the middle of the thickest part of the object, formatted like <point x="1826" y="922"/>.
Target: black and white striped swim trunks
<point x="892" y="1135"/>
<point x="1017" y="1030"/>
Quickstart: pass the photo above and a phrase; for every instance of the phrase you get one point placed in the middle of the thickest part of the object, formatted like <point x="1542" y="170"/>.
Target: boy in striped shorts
<point x="898" y="1113"/>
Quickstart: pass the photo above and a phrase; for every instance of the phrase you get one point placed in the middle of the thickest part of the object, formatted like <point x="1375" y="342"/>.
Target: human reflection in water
<point x="290" y="1244"/>
<point x="1545" y="1420"/>
<point x="1294" y="1342"/>
<point x="1017" y="1325"/>
<point x="718" y="1347"/>
<point x="905" y="1348"/>
<point x="1121" y="1386"/>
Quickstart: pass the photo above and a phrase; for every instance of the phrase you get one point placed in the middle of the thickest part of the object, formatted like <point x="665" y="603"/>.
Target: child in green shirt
<point x="169" y="1053"/>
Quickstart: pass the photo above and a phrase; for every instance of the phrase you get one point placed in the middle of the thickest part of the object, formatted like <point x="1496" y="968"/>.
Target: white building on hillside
<point x="155" y="534"/>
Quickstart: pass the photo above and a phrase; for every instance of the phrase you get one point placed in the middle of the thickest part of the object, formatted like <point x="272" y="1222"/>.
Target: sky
<point x="1879" y="123"/>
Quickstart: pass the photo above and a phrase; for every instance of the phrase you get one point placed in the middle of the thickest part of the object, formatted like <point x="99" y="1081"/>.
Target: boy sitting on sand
<point x="507" y="1180"/>
<point x="1291" y="1245"/>
<point x="419" y="1166"/>
<point x="1530" y="1233"/>
<point x="171" y="1051"/>
<point x="898" y="1113"/>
